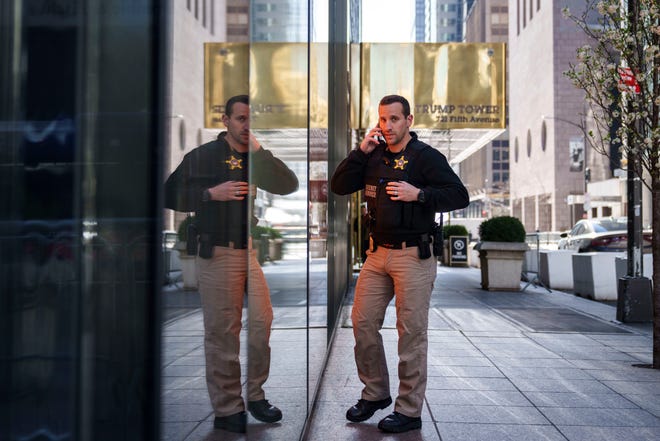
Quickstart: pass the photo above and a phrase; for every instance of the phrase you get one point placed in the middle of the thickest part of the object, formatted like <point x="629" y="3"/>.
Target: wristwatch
<point x="421" y="197"/>
<point x="206" y="195"/>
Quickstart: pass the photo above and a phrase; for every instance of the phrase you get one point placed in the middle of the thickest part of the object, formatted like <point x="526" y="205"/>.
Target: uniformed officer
<point x="212" y="181"/>
<point x="405" y="183"/>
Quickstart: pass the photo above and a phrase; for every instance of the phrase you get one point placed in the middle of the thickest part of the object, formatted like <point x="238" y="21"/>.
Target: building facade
<point x="547" y="116"/>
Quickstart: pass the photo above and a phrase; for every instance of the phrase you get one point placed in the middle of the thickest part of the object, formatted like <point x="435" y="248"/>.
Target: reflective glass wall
<point x="105" y="308"/>
<point x="81" y="94"/>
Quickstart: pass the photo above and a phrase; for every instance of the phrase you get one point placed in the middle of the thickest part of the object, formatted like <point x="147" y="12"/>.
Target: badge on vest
<point x="233" y="163"/>
<point x="400" y="163"/>
<point x="370" y="191"/>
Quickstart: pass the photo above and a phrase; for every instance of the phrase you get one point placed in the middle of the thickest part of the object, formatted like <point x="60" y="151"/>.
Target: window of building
<point x="529" y="143"/>
<point x="524" y="14"/>
<point x="237" y="9"/>
<point x="267" y="21"/>
<point x="265" y="7"/>
<point x="544" y="135"/>
<point x="242" y="31"/>
<point x="212" y="18"/>
<point x="197" y="9"/>
<point x="518" y="18"/>
<point x="515" y="150"/>
<point x="531" y="9"/>
<point x="189" y="4"/>
<point x="538" y="4"/>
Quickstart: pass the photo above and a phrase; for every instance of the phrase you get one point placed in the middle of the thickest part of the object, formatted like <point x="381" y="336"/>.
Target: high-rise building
<point x="438" y="20"/>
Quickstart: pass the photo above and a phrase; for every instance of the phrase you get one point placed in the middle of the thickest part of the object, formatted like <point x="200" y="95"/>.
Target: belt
<point x="230" y="244"/>
<point x="398" y="245"/>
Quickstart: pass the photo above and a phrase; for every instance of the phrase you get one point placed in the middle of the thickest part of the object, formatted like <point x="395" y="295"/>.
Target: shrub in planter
<point x="271" y="247"/>
<point x="454" y="230"/>
<point x="187" y="255"/>
<point x="447" y="232"/>
<point x="257" y="231"/>
<point x="182" y="231"/>
<point x="501" y="252"/>
<point x="502" y="229"/>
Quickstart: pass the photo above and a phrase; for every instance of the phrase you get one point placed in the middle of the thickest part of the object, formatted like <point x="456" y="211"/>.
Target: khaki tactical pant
<point x="223" y="281"/>
<point x="385" y="274"/>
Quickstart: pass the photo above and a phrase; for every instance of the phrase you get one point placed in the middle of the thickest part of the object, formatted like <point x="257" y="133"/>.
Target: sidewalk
<point x="516" y="366"/>
<point x="509" y="366"/>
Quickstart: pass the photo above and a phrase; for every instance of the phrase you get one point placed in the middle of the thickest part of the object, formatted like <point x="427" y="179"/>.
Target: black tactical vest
<point x="389" y="218"/>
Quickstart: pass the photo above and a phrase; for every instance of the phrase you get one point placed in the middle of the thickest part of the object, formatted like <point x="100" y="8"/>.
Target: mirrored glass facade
<point x="172" y="256"/>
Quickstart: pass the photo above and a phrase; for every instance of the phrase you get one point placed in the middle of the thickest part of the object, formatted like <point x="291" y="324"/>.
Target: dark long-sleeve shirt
<point x="213" y="163"/>
<point x="429" y="171"/>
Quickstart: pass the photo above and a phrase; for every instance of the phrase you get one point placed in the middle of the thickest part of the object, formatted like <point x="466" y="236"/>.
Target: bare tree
<point x="620" y="72"/>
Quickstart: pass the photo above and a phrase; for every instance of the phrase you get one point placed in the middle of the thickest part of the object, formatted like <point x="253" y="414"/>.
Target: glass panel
<point x="79" y="228"/>
<point x="279" y="88"/>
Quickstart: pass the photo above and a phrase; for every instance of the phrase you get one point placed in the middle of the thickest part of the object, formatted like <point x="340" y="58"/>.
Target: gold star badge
<point x="400" y="163"/>
<point x="234" y="163"/>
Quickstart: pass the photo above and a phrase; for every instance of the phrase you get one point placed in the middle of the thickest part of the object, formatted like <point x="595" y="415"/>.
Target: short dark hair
<point x="391" y="99"/>
<point x="236" y="99"/>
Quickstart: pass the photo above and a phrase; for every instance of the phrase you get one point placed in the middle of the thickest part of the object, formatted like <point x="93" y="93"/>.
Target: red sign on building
<point x="627" y="80"/>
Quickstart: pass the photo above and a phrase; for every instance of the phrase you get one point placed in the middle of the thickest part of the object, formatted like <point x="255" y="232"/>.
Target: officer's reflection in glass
<point x="212" y="181"/>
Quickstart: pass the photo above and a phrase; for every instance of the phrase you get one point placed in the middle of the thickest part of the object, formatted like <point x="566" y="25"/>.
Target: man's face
<point x="393" y="123"/>
<point x="238" y="124"/>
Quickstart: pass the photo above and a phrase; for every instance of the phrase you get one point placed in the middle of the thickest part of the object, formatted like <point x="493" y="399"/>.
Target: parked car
<point x="545" y="240"/>
<point x="601" y="234"/>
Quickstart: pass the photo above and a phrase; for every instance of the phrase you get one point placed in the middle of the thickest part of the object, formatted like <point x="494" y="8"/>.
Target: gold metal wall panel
<point x="278" y="83"/>
<point x="449" y="85"/>
<point x="387" y="68"/>
<point x="225" y="75"/>
<point x="355" y="73"/>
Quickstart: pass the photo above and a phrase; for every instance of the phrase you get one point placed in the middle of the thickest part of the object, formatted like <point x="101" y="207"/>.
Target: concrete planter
<point x="188" y="271"/>
<point x="501" y="265"/>
<point x="188" y="267"/>
<point x="275" y="249"/>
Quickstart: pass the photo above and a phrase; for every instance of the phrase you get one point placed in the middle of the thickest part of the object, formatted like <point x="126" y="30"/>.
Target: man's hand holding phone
<point x="371" y="140"/>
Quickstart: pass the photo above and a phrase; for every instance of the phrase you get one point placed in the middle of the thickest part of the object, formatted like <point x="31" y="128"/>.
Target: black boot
<point x="264" y="411"/>
<point x="397" y="422"/>
<point x="232" y="423"/>
<point x="364" y="409"/>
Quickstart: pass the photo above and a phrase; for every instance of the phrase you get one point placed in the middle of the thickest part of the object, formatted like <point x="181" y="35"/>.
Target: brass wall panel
<point x="278" y="86"/>
<point x="387" y="68"/>
<point x="460" y="85"/>
<point x="355" y="73"/>
<point x="225" y="75"/>
<point x="449" y="85"/>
